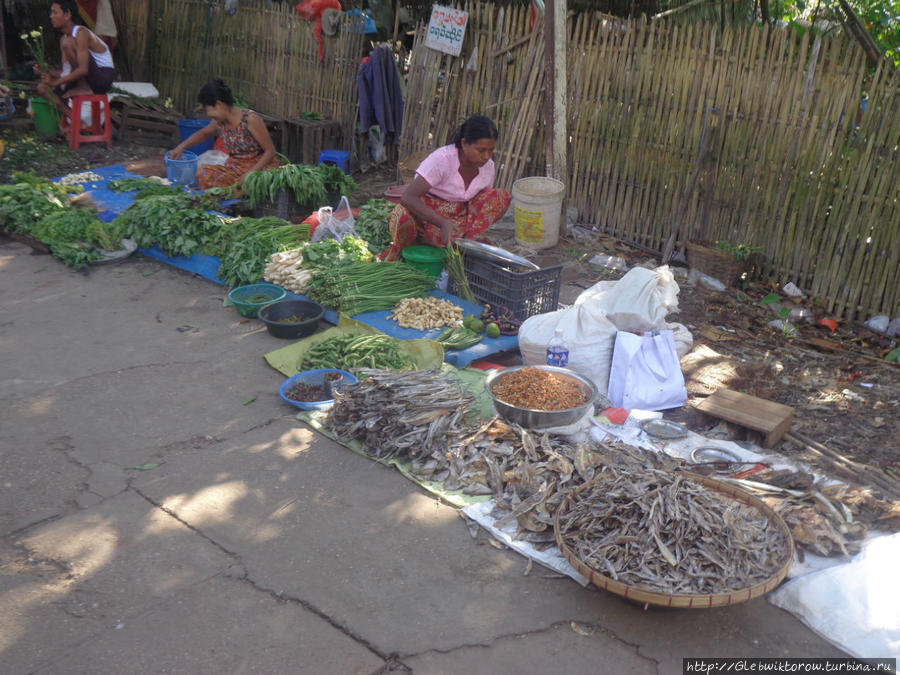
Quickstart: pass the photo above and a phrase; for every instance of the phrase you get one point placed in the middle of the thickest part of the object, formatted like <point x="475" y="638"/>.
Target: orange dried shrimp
<point x="537" y="389"/>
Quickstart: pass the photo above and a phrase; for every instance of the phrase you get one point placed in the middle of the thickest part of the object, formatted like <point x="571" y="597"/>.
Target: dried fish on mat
<point x="410" y="413"/>
<point x="825" y="518"/>
<point x="663" y="532"/>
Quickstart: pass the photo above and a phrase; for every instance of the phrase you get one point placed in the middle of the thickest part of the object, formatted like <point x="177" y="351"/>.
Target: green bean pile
<point x="355" y="288"/>
<point x="350" y="352"/>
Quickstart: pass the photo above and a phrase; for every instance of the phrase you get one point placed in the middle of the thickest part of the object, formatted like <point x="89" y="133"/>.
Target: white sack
<point x="212" y="158"/>
<point x="684" y="340"/>
<point x="641" y="298"/>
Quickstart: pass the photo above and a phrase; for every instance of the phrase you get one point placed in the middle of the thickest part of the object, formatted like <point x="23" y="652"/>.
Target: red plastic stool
<point x="97" y="131"/>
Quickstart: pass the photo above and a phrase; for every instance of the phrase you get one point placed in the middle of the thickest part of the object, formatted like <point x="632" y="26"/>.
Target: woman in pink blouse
<point x="452" y="193"/>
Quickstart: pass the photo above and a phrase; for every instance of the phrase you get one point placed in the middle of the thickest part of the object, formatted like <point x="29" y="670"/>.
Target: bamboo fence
<point x="267" y="55"/>
<point x="788" y="164"/>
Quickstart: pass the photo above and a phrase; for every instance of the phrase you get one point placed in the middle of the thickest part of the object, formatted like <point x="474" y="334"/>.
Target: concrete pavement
<point x="152" y="520"/>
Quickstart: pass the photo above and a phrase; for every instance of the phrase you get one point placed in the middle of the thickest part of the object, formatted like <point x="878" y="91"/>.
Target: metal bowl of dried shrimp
<point x="540" y="397"/>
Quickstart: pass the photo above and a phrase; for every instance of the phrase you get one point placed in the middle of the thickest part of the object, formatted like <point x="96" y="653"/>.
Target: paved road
<point x="153" y="521"/>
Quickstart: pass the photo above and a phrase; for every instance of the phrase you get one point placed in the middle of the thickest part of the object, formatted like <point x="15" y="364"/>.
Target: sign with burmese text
<point x="446" y="29"/>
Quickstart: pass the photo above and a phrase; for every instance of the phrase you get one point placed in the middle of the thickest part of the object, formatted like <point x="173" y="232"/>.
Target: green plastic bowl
<point x="248" y="300"/>
<point x="428" y="259"/>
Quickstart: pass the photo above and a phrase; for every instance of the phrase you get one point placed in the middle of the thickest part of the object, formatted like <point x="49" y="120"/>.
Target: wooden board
<point x="303" y="140"/>
<point x="770" y="418"/>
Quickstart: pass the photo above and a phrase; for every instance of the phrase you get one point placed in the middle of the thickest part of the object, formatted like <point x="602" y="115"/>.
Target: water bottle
<point x="558" y="350"/>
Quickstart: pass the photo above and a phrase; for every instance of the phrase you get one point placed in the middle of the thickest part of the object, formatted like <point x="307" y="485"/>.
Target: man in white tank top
<point x="87" y="65"/>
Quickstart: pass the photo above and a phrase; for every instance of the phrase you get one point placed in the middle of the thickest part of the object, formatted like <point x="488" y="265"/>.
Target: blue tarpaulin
<point x="113" y="203"/>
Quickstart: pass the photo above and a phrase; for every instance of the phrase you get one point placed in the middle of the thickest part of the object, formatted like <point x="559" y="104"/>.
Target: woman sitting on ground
<point x="452" y="194"/>
<point x="244" y="135"/>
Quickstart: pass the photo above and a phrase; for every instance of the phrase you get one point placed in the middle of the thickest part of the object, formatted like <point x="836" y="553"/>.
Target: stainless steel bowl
<point x="543" y="419"/>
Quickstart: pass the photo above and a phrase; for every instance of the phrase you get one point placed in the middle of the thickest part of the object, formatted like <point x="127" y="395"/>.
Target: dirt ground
<point x="845" y="395"/>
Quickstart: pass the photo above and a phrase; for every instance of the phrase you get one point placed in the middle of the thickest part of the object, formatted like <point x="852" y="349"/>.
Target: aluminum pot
<point x="543" y="419"/>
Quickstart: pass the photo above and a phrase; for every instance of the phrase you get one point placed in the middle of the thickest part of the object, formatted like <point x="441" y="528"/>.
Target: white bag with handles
<point x="645" y="372"/>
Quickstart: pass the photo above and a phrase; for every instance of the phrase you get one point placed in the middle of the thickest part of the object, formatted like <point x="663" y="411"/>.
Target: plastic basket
<point x="525" y="293"/>
<point x="284" y="207"/>
<point x="182" y="171"/>
<point x="243" y="298"/>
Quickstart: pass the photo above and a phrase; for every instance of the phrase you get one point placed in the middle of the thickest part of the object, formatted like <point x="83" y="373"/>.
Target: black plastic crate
<point x="524" y="291"/>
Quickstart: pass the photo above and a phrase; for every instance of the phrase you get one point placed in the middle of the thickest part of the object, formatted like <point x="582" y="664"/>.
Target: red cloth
<point x="311" y="10"/>
<point x="471" y="219"/>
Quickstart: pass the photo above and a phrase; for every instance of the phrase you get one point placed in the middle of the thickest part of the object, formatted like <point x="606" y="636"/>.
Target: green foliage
<point x="739" y="251"/>
<point x="76" y="256"/>
<point x="29" y="200"/>
<point x="371" y="224"/>
<point x="893" y="356"/>
<point x="245" y="245"/>
<point x="69" y="226"/>
<point x="330" y="252"/>
<point x="169" y="222"/>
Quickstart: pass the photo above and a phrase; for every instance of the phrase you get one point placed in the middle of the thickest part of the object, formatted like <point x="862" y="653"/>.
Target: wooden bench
<point x="148" y="124"/>
<point x="769" y="418"/>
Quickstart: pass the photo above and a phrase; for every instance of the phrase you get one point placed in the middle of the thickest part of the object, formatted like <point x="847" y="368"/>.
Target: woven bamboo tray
<point x="685" y="600"/>
<point x="715" y="263"/>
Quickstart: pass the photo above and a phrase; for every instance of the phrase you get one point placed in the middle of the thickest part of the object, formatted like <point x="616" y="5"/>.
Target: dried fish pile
<point x="410" y="413"/>
<point x="662" y="532"/>
<point x="826" y="519"/>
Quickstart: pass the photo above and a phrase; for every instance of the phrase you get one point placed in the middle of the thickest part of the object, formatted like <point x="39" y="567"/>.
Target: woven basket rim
<point x="686" y="600"/>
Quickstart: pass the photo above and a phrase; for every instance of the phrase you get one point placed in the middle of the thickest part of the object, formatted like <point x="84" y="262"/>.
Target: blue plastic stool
<point x="338" y="158"/>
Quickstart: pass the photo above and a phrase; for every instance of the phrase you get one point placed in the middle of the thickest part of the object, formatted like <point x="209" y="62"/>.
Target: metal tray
<point x="476" y="248"/>
<point x="128" y="247"/>
<point x="664" y="429"/>
<point x="710" y="453"/>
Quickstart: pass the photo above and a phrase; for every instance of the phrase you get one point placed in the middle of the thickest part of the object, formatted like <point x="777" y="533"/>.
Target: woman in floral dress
<point x="244" y="135"/>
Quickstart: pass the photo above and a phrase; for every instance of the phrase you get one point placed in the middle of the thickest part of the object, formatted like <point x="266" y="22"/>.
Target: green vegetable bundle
<point x="76" y="256"/>
<point x="355" y="288"/>
<point x="306" y="183"/>
<point x="458" y="337"/>
<point x="170" y="223"/>
<point x="69" y="226"/>
<point x="30" y="199"/>
<point x="129" y="184"/>
<point x="330" y="252"/>
<point x="336" y="180"/>
<point x="371" y="224"/>
<point x="350" y="352"/>
<point x="250" y="242"/>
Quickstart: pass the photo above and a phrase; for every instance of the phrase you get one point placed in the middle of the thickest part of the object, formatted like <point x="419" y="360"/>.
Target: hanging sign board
<point x="446" y="29"/>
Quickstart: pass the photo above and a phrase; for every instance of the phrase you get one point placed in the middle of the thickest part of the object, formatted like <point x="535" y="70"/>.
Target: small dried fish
<point x="657" y="530"/>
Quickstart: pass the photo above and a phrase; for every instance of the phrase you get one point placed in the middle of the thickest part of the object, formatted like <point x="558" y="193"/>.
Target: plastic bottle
<point x="558" y="350"/>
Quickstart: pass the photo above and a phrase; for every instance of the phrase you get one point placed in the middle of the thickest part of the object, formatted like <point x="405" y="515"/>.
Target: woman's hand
<point x="175" y="152"/>
<point x="447" y="232"/>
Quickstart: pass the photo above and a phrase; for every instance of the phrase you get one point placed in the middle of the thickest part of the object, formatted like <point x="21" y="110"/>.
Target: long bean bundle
<point x="355" y="288"/>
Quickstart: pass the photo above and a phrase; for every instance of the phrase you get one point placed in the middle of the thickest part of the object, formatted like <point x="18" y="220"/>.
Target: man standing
<point x="87" y="65"/>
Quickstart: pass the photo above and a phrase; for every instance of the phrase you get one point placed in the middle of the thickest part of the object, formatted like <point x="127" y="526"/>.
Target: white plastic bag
<point x="340" y="223"/>
<point x="645" y="372"/>
<point x="638" y="301"/>
<point x="212" y="158"/>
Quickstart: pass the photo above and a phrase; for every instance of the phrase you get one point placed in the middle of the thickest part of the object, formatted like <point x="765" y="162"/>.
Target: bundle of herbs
<point x="29" y="199"/>
<point x="309" y="185"/>
<point x="68" y="225"/>
<point x="359" y="287"/>
<point x="170" y="223"/>
<point x="372" y="225"/>
<point x="76" y="236"/>
<point x="244" y="261"/>
<point x="331" y="252"/>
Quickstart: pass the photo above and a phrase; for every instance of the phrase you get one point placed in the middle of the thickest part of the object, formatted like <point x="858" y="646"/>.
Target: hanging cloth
<point x="381" y="94"/>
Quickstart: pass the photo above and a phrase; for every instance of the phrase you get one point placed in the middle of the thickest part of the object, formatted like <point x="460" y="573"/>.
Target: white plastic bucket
<point x="537" y="207"/>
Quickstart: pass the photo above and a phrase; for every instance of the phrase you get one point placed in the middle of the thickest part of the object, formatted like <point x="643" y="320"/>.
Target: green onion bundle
<point x="355" y="288"/>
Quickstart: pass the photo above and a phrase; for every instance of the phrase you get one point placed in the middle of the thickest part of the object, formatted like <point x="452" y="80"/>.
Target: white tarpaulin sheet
<point x="854" y="605"/>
